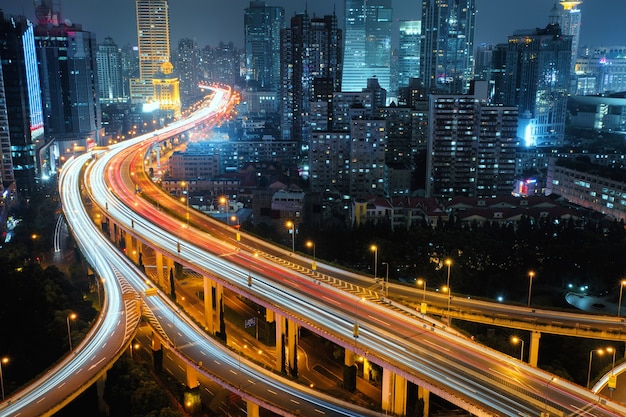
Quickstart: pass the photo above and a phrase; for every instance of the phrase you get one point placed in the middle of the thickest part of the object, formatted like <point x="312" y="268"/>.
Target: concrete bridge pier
<point x="424" y="395"/>
<point x="533" y="354"/>
<point x="349" y="370"/>
<point x="213" y="293"/>
<point x="252" y="409"/>
<point x="394" y="393"/>
<point x="286" y="345"/>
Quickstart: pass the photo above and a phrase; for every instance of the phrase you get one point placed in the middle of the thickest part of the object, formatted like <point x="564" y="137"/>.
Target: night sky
<point x="212" y="21"/>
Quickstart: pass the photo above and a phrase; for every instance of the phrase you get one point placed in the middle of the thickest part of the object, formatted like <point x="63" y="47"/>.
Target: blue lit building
<point x="23" y="164"/>
<point x="367" y="50"/>
<point x="409" y="51"/>
<point x="262" y="26"/>
<point x="447" y="48"/>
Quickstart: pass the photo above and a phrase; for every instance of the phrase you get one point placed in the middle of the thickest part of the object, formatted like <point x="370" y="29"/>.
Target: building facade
<point x="367" y="47"/>
<point x="447" y="45"/>
<point x="109" y="63"/>
<point x="262" y="26"/>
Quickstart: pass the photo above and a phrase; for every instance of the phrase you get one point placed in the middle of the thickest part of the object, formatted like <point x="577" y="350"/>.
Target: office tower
<point x="601" y="70"/>
<point x="221" y="63"/>
<point x="367" y="50"/>
<point x="568" y="16"/>
<point x="69" y="81"/>
<point x="311" y="52"/>
<point x="109" y="62"/>
<point x="447" y="49"/>
<point x="471" y="147"/>
<point x="483" y="61"/>
<point x="153" y="37"/>
<point x="409" y="51"/>
<point x="262" y="26"/>
<point x="21" y="94"/>
<point x="537" y="81"/>
<point x="187" y="63"/>
<point x="367" y="157"/>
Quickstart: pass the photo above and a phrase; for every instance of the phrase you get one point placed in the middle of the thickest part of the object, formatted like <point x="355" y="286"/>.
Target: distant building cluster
<point x="343" y="114"/>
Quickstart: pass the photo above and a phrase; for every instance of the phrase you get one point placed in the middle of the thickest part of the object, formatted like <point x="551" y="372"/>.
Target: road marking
<point x="272" y="392"/>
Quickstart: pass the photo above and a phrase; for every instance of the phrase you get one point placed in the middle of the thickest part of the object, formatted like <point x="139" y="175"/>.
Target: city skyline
<point x="495" y="20"/>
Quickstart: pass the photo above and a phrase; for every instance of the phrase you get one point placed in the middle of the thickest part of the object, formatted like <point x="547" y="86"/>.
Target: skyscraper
<point x="69" y="80"/>
<point x="109" y="61"/>
<point x="447" y="49"/>
<point x="409" y="51"/>
<point x="21" y="125"/>
<point x="153" y="37"/>
<point x="471" y="147"/>
<point x="537" y="80"/>
<point x="568" y="16"/>
<point x="367" y="52"/>
<point x="187" y="62"/>
<point x="262" y="26"/>
<point x="311" y="50"/>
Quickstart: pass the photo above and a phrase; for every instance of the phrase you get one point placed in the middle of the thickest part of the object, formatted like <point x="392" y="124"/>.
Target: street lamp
<point x="531" y="275"/>
<point x="545" y="404"/>
<point x="3" y="361"/>
<point x="385" y="286"/>
<point x="72" y="316"/>
<point x="600" y="352"/>
<point x="449" y="264"/>
<point x="291" y="225"/>
<point x="237" y="226"/>
<point x="311" y="244"/>
<point x="619" y="304"/>
<point x="374" y="249"/>
<point x="186" y="185"/>
<point x="422" y="283"/>
<point x="224" y="201"/>
<point x="515" y="340"/>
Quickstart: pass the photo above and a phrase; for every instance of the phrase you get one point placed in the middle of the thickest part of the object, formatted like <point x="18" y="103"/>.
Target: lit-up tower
<point x="537" y="80"/>
<point x="368" y="26"/>
<point x="167" y="91"/>
<point x="153" y="37"/>
<point x="409" y="51"/>
<point x="569" y="19"/>
<point x="447" y="49"/>
<point x="69" y="81"/>
<point x="262" y="26"/>
<point x="311" y="51"/>
<point x="109" y="61"/>
<point x="21" y="114"/>
<point x="187" y="62"/>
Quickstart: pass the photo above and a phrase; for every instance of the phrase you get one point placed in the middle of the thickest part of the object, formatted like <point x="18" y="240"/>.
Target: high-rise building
<point x="109" y="61"/>
<point x="311" y="51"/>
<point x="409" y="51"/>
<point x="568" y="16"/>
<point x="367" y="157"/>
<point x="187" y="63"/>
<point x="221" y="63"/>
<point x="367" y="50"/>
<point x="153" y="37"/>
<point x="69" y="81"/>
<point x="601" y="70"/>
<point x="262" y="26"/>
<point x="447" y="48"/>
<point x="471" y="147"/>
<point x="21" y="125"/>
<point x="537" y="80"/>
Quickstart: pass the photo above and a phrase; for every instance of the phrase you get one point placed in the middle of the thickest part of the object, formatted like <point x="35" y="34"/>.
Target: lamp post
<point x="600" y="352"/>
<point x="545" y="404"/>
<point x="224" y="201"/>
<point x="517" y="340"/>
<point x="291" y="225"/>
<point x="3" y="361"/>
<point x="72" y="316"/>
<point x="422" y="282"/>
<point x="186" y="185"/>
<point x="385" y="285"/>
<point x="311" y="244"/>
<point x="374" y="249"/>
<point x="449" y="264"/>
<point x="531" y="275"/>
<point x="621" y="289"/>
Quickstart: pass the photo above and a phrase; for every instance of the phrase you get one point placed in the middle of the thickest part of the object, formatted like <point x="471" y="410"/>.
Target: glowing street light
<point x="72" y="316"/>
<point x="374" y="249"/>
<point x="448" y="262"/>
<point x="311" y="244"/>
<point x="531" y="275"/>
<point x="600" y="352"/>
<point x="515" y="340"/>
<point x="291" y="225"/>
<point x="3" y="361"/>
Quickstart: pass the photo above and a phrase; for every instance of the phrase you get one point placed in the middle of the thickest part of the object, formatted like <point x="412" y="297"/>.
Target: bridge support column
<point x="157" y="352"/>
<point x="103" y="407"/>
<point x="349" y="370"/>
<point x="286" y="345"/>
<point x="192" y="394"/>
<point x="128" y="245"/>
<point x="252" y="408"/>
<point x="394" y="393"/>
<point x="424" y="395"/>
<point x="533" y="355"/>
<point x="159" y="269"/>
<point x="212" y="296"/>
